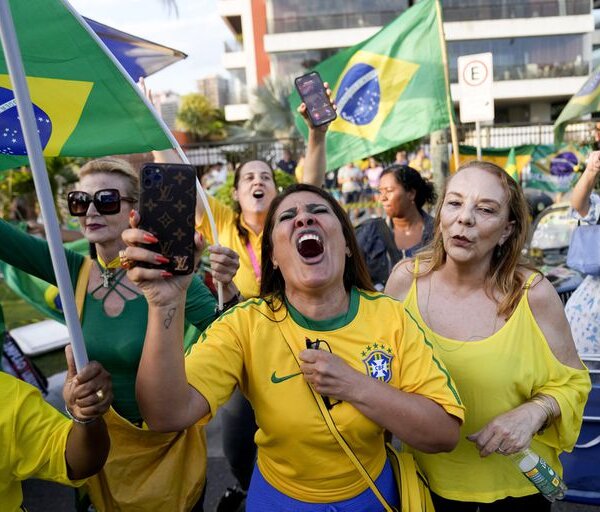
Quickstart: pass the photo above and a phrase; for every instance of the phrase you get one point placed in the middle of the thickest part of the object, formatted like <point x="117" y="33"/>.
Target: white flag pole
<point x="199" y="190"/>
<point x="16" y="72"/>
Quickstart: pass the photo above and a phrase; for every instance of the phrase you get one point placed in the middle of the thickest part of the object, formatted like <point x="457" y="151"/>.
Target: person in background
<point x="401" y="158"/>
<point x="314" y="287"/>
<point x="583" y="307"/>
<point x="287" y="164"/>
<point x="113" y="313"/>
<point x="373" y="174"/>
<point x="422" y="164"/>
<point x="500" y="329"/>
<point x="350" y="179"/>
<point x="39" y="442"/>
<point x="407" y="228"/>
<point x="299" y="172"/>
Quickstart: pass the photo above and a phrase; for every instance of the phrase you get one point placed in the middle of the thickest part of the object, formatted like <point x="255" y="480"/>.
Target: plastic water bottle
<point x="540" y="474"/>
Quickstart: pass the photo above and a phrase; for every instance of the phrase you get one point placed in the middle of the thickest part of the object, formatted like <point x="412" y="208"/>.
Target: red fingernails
<point x="161" y="259"/>
<point x="150" y="238"/>
<point x="131" y="214"/>
<point x="166" y="275"/>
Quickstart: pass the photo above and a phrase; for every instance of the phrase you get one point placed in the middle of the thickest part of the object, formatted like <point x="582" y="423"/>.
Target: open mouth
<point x="310" y="245"/>
<point x="258" y="194"/>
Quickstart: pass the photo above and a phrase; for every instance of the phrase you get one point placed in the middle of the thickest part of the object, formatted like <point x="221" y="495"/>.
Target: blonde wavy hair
<point x="119" y="166"/>
<point x="505" y="274"/>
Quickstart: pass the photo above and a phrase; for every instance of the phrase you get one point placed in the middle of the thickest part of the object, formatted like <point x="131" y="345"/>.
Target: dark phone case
<point x="167" y="210"/>
<point x="314" y="122"/>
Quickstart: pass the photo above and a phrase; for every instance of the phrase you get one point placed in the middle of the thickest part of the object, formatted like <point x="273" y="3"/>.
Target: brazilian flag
<point x="585" y="101"/>
<point x="511" y="165"/>
<point x="83" y="105"/>
<point x="389" y="89"/>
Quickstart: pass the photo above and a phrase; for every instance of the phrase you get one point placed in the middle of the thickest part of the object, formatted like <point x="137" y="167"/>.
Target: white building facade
<point x="543" y="49"/>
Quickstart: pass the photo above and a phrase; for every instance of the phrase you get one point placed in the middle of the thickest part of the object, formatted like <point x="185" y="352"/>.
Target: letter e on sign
<point x="475" y="80"/>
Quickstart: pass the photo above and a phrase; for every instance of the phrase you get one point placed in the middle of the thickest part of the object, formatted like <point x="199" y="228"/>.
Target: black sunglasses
<point x="107" y="202"/>
<point x="315" y="345"/>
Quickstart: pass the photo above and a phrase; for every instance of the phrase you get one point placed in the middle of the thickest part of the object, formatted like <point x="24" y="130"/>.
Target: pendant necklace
<point x="108" y="270"/>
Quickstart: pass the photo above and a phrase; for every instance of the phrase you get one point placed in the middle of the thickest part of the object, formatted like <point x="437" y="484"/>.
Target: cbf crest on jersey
<point x="378" y="361"/>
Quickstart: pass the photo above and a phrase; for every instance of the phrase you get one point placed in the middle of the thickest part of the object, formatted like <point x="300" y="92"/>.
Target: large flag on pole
<point x="389" y="89"/>
<point x="83" y="104"/>
<point x="585" y="101"/>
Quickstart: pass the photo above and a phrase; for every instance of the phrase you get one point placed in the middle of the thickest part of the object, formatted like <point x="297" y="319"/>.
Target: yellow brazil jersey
<point x="495" y="375"/>
<point x="297" y="454"/>
<point x="33" y="437"/>
<point x="245" y="279"/>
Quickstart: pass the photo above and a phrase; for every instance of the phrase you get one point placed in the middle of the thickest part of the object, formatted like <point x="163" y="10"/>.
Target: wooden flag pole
<point x="453" y="132"/>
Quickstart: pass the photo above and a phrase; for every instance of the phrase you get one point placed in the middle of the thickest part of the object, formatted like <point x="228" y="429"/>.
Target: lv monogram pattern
<point x="162" y="215"/>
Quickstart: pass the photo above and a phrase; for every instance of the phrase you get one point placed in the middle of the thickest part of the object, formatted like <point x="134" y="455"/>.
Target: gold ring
<point x="100" y="394"/>
<point x="125" y="262"/>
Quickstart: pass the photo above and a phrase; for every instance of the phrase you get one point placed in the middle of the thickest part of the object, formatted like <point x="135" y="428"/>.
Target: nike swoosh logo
<point x="277" y="380"/>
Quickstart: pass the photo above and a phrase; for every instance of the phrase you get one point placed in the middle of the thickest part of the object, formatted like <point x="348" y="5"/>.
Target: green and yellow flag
<point x="83" y="105"/>
<point x="511" y="165"/>
<point x="389" y="89"/>
<point x="585" y="101"/>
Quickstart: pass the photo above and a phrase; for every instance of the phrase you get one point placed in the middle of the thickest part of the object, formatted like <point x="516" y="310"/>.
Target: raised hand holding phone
<point x="314" y="94"/>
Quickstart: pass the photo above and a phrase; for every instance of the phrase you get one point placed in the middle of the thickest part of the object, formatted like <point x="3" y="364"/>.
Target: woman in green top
<point x="115" y="311"/>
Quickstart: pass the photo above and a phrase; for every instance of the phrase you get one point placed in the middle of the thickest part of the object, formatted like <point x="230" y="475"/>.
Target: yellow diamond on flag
<point x="367" y="91"/>
<point x="58" y="105"/>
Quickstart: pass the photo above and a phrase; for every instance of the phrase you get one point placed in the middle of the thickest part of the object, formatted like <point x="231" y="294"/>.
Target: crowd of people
<point x="473" y="362"/>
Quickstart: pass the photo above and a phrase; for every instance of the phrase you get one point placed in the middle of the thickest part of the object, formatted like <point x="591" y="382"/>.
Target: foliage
<point x="271" y="115"/>
<point x="389" y="155"/>
<point x="19" y="182"/>
<point x="200" y="118"/>
<point x="224" y="192"/>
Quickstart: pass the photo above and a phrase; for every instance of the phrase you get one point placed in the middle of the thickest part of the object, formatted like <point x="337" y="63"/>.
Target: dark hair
<point x="242" y="231"/>
<point x="355" y="270"/>
<point x="410" y="179"/>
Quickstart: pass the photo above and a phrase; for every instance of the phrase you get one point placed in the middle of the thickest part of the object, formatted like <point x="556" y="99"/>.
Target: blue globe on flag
<point x="359" y="95"/>
<point x="11" y="135"/>
<point x="564" y="164"/>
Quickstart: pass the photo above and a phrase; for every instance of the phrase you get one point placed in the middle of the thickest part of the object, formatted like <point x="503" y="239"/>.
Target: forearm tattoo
<point x="169" y="318"/>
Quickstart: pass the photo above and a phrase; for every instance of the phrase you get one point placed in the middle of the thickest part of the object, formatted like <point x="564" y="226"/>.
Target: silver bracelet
<point x="77" y="420"/>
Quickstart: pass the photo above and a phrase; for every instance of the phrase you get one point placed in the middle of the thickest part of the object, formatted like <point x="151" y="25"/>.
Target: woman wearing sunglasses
<point x="317" y="325"/>
<point x="114" y="311"/>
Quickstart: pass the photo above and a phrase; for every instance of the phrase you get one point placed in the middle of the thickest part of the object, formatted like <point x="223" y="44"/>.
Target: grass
<point x="17" y="312"/>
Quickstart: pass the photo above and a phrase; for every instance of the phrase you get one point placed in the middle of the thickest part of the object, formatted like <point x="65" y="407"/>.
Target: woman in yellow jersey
<point x="39" y="442"/>
<point x="376" y="374"/>
<point x="241" y="229"/>
<point x="500" y="329"/>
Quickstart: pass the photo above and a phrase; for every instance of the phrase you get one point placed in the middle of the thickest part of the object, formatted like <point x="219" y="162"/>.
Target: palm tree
<point x="270" y="111"/>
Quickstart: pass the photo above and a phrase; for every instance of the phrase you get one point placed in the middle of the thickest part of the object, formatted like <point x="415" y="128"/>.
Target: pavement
<point x="41" y="496"/>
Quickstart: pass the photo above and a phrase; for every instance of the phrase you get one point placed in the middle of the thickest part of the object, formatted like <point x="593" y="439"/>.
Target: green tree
<point x="200" y="118"/>
<point x="270" y="109"/>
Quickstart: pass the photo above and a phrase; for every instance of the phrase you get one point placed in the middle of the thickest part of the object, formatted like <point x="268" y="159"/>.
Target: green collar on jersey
<point x="329" y="324"/>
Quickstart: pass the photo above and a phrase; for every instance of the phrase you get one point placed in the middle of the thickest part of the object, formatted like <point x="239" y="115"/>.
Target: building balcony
<point x="459" y="10"/>
<point x="534" y="71"/>
<point x="294" y="23"/>
<point x="559" y="88"/>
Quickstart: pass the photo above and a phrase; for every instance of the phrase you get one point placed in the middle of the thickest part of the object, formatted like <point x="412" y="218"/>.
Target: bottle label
<point x="544" y="478"/>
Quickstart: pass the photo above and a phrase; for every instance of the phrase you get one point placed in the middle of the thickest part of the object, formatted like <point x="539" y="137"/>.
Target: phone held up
<point x="313" y="93"/>
<point x="167" y="210"/>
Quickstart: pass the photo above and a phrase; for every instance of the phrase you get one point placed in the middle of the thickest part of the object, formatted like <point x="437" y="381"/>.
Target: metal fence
<point x="509" y="135"/>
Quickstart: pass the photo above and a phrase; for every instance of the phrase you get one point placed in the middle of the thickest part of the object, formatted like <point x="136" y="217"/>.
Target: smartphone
<point x="167" y="210"/>
<point x="313" y="93"/>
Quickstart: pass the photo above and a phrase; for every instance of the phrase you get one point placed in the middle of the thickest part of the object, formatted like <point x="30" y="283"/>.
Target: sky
<point x="197" y="31"/>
